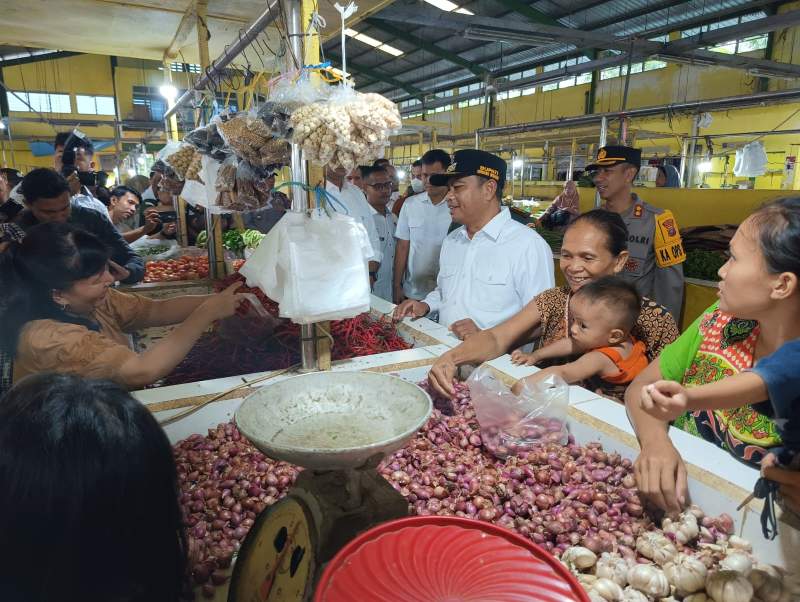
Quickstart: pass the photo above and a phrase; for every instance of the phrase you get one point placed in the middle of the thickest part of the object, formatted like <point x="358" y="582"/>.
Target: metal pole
<point x="477" y="139"/>
<point x="684" y="157"/>
<point x="308" y="343"/>
<point x="692" y="145"/>
<point x="241" y="42"/>
<point x="572" y="152"/>
<point x="603" y="135"/>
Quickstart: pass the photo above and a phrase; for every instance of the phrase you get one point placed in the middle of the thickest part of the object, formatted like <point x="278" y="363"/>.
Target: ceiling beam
<point x="533" y="15"/>
<point x="185" y="27"/>
<point x="36" y="58"/>
<point x="634" y="14"/>
<point x="417" y="41"/>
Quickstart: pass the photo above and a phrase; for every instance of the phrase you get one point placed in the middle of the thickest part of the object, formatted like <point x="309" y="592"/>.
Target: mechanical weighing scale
<point x="338" y="426"/>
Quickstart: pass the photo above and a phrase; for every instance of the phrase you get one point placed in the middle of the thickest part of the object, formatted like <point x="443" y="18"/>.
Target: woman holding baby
<point x="742" y="351"/>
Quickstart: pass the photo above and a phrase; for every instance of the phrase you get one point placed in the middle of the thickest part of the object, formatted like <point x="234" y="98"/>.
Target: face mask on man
<point x="417" y="185"/>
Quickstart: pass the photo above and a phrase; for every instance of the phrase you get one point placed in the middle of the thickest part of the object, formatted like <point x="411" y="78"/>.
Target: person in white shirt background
<point x="378" y="186"/>
<point x="355" y="177"/>
<point x="392" y="171"/>
<point x="156" y="173"/>
<point x="75" y="158"/>
<point x="352" y="202"/>
<point x="416" y="185"/>
<point x="421" y="230"/>
<point x="491" y="266"/>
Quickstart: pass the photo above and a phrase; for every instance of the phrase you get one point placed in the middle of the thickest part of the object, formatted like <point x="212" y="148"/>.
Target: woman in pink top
<point x="564" y="208"/>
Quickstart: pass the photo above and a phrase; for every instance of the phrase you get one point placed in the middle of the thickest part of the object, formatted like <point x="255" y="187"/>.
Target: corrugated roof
<point x="428" y="72"/>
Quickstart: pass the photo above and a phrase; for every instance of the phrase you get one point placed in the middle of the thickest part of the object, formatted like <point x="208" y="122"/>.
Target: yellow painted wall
<point x="695" y="207"/>
<point x="83" y="74"/>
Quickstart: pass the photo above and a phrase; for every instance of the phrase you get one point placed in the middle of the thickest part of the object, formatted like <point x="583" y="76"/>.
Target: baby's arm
<point x="667" y="400"/>
<point x="584" y="367"/>
<point x="561" y="348"/>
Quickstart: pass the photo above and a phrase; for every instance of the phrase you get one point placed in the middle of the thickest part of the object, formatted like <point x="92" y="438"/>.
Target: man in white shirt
<point x="156" y="173"/>
<point x="352" y="202"/>
<point x="378" y="186"/>
<point x="491" y="266"/>
<point x="421" y="230"/>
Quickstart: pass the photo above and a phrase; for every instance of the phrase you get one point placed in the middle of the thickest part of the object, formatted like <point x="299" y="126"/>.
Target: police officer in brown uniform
<point x="654" y="241"/>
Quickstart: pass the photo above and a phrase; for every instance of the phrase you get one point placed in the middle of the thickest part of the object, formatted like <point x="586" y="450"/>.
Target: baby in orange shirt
<point x="602" y="315"/>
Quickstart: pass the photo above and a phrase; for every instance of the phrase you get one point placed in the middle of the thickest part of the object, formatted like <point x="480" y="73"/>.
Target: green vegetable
<point x="252" y="238"/>
<point x="703" y="265"/>
<point x="202" y="239"/>
<point x="150" y="251"/>
<point x="232" y="240"/>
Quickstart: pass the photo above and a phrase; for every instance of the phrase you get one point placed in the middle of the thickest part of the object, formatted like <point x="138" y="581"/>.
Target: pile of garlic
<point x="345" y="133"/>
<point x="675" y="564"/>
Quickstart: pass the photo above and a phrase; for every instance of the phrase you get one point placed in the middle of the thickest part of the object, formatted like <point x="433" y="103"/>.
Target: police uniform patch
<point x="668" y="245"/>
<point x="638" y="210"/>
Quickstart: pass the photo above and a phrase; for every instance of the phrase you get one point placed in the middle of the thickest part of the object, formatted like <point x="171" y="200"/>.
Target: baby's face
<point x="591" y="323"/>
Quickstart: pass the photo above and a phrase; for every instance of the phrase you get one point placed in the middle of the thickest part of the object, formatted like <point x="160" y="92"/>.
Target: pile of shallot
<point x="224" y="483"/>
<point x="579" y="502"/>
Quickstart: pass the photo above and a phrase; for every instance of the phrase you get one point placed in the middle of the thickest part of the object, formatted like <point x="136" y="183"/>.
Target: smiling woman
<point x="595" y="245"/>
<point x="59" y="314"/>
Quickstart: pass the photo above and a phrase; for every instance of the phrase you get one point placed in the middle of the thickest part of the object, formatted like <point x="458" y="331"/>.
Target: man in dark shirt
<point x="47" y="198"/>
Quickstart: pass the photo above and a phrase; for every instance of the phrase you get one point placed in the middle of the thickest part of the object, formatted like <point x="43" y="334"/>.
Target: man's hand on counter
<point x="410" y="308"/>
<point x="464" y="328"/>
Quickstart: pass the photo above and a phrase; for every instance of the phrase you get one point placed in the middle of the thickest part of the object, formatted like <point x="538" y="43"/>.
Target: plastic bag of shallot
<point x="516" y="424"/>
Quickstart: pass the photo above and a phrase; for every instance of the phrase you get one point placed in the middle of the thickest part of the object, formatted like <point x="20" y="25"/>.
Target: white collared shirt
<point x="492" y="276"/>
<point x="358" y="208"/>
<point x="85" y="199"/>
<point x="425" y="226"/>
<point x="385" y="225"/>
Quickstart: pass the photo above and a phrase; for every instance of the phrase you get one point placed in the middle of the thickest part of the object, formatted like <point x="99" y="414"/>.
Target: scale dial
<point x="276" y="561"/>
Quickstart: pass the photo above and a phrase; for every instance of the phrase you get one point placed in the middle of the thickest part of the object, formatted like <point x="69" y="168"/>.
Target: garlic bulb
<point x="729" y="586"/>
<point x="699" y="597"/>
<point x="686" y="573"/>
<point x="579" y="557"/>
<point x="656" y="547"/>
<point x="684" y="529"/>
<point x="586" y="580"/>
<point x="595" y="597"/>
<point x="608" y="590"/>
<point x="649" y="579"/>
<point x="613" y="566"/>
<point x="631" y="595"/>
<point x="739" y="543"/>
<point x="766" y="587"/>
<point x="737" y="561"/>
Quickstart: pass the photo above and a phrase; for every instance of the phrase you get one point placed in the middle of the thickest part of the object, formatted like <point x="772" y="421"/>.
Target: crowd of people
<point x="444" y="248"/>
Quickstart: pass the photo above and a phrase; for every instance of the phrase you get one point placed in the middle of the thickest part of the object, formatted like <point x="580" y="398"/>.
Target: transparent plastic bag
<point x="251" y="139"/>
<point x="514" y="424"/>
<point x="208" y="141"/>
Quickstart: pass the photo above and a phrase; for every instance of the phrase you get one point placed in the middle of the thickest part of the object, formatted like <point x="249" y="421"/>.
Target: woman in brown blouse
<point x="594" y="245"/>
<point x="59" y="314"/>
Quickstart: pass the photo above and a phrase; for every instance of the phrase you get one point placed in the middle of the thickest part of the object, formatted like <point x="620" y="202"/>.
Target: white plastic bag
<point x="514" y="424"/>
<point x="148" y="248"/>
<point x="314" y="266"/>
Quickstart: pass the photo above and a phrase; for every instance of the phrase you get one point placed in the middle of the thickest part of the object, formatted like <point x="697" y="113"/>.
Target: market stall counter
<point x="446" y="469"/>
